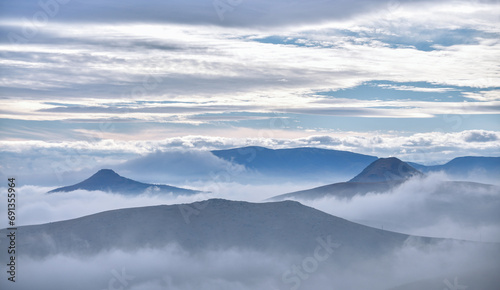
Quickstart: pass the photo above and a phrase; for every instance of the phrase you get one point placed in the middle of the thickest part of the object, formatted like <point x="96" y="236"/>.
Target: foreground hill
<point x="213" y="224"/>
<point x="221" y="244"/>
<point x="109" y="181"/>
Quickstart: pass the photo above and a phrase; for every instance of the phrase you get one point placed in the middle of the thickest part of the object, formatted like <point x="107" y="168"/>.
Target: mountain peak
<point x="110" y="181"/>
<point x="386" y="169"/>
<point x="106" y="171"/>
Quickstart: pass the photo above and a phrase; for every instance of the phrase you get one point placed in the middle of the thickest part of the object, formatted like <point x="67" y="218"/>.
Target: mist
<point x="36" y="206"/>
<point x="424" y="206"/>
<point x="417" y="207"/>
<point x="172" y="267"/>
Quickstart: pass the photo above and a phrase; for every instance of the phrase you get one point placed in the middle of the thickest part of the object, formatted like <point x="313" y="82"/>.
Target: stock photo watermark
<point x="453" y="286"/>
<point x="224" y="6"/>
<point x="12" y="229"/>
<point x="47" y="10"/>
<point x="310" y="264"/>
<point x="120" y="280"/>
<point x="187" y="210"/>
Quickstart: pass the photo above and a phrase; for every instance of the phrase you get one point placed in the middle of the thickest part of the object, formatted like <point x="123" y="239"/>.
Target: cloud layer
<point x="173" y="72"/>
<point x="184" y="159"/>
<point x="426" y="207"/>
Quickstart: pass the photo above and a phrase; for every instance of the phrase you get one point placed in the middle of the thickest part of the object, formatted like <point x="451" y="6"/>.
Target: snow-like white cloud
<point x="213" y="69"/>
<point x="241" y="269"/>
<point x="464" y="213"/>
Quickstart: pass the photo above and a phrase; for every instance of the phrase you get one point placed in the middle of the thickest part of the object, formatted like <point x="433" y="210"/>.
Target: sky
<point x="105" y="82"/>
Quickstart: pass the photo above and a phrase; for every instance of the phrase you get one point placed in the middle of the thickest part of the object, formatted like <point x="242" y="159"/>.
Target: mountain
<point x="386" y="169"/>
<point x="304" y="163"/>
<point x="110" y="181"/>
<point x="313" y="164"/>
<point x="340" y="190"/>
<point x="465" y="166"/>
<point x="380" y="176"/>
<point x="275" y="245"/>
<point x="213" y="224"/>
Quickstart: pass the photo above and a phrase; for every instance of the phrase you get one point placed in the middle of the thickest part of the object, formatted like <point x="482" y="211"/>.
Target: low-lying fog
<point x="418" y="207"/>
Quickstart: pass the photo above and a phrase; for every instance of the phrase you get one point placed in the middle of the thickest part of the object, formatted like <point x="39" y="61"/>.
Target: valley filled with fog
<point x="412" y="227"/>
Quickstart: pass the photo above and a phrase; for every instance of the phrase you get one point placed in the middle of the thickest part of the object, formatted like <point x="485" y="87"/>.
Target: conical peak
<point x="104" y="176"/>
<point x="389" y="162"/>
<point x="386" y="169"/>
<point x="105" y="172"/>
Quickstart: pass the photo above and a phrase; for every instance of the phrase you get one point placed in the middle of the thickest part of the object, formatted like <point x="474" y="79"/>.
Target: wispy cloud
<point x="161" y="76"/>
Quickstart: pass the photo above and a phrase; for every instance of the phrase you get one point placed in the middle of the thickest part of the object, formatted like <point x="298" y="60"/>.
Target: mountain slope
<point x="110" y="181"/>
<point x="280" y="245"/>
<point x="340" y="190"/>
<point x="350" y="189"/>
<point x="380" y="176"/>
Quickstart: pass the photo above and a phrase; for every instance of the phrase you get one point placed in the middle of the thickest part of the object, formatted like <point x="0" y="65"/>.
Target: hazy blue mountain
<point x="464" y="166"/>
<point x="386" y="169"/>
<point x="109" y="181"/>
<point x="380" y="176"/>
<point x="340" y="190"/>
<point x="308" y="163"/>
<point x="305" y="163"/>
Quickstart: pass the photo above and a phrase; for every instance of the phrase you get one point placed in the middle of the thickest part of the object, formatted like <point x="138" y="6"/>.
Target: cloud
<point x="426" y="206"/>
<point x="171" y="267"/>
<point x="480" y="136"/>
<point x="465" y="214"/>
<point x="416" y="89"/>
<point x="179" y="165"/>
<point x="52" y="163"/>
<point x="223" y="13"/>
<point x="39" y="207"/>
<point x="147" y="60"/>
<point x="420" y="206"/>
<point x="490" y="95"/>
<point x="174" y="268"/>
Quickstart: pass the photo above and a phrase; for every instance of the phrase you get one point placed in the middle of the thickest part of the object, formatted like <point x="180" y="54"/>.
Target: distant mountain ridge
<point x="381" y="176"/>
<point x="109" y="181"/>
<point x="463" y="166"/>
<point x="303" y="163"/>
<point x="310" y="162"/>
